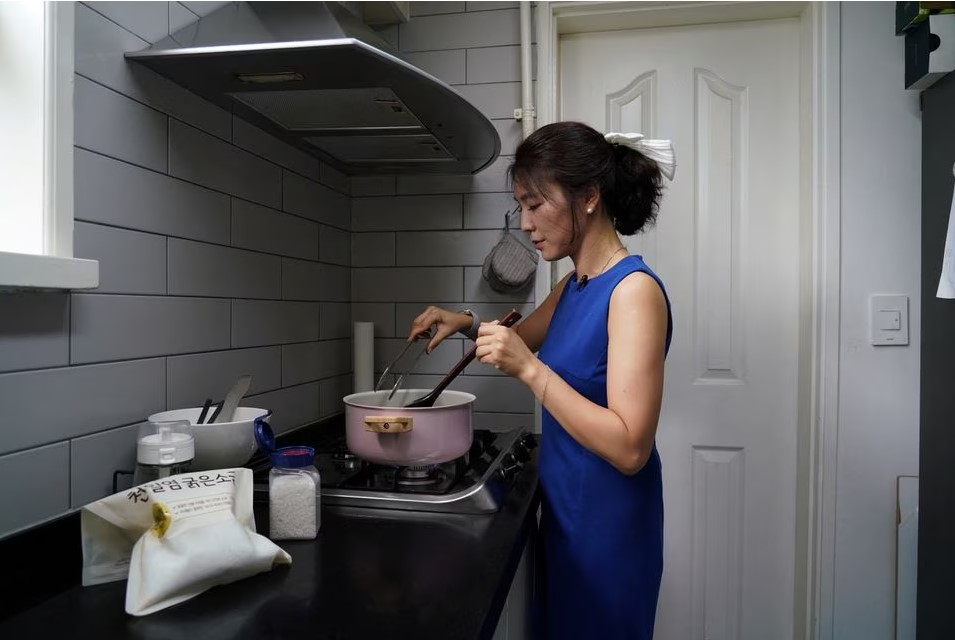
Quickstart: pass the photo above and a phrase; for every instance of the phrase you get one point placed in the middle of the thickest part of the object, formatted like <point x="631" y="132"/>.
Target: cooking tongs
<point x="424" y="335"/>
<point x="508" y="320"/>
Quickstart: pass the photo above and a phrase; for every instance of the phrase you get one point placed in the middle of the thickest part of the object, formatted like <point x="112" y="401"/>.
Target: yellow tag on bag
<point x="162" y="519"/>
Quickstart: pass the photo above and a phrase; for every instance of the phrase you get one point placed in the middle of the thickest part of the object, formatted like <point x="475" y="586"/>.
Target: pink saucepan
<point x="387" y="432"/>
<point x="414" y="428"/>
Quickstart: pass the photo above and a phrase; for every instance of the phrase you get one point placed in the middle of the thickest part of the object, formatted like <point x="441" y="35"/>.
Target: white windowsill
<point x="21" y="270"/>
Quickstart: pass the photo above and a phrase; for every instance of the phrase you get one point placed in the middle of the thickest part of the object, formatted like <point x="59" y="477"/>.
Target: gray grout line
<point x="232" y="221"/>
<point x="189" y="10"/>
<point x="69" y="331"/>
<point x="75" y="365"/>
<point x="110" y="225"/>
<point x="68" y="441"/>
<point x="165" y="382"/>
<point x="214" y="190"/>
<point x="210" y="133"/>
<point x="168" y="147"/>
<point x="166" y="287"/>
<point x="80" y="364"/>
<point x="206" y="297"/>
<point x="123" y="27"/>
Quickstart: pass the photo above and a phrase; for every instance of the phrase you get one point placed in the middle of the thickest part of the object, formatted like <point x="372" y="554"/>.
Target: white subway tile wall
<point x="192" y="378"/>
<point x="225" y="251"/>
<point x="203" y="159"/>
<point x="150" y="23"/>
<point x="271" y="231"/>
<point x="129" y="261"/>
<point x="336" y="320"/>
<point x="310" y="361"/>
<point x="382" y="314"/>
<point x="35" y="330"/>
<point x="179" y="16"/>
<point x="373" y="249"/>
<point x="99" y="56"/>
<point x="112" y="192"/>
<point x="37" y="501"/>
<point x="93" y="459"/>
<point x="449" y="66"/>
<point x="207" y="231"/>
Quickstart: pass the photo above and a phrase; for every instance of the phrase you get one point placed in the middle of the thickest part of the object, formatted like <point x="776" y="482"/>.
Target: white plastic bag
<point x="175" y="538"/>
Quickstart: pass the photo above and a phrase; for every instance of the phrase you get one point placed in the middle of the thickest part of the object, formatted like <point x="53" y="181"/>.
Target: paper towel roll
<point x="363" y="356"/>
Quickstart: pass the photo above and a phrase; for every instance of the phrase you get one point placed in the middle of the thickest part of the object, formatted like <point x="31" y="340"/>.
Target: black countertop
<point x="371" y="573"/>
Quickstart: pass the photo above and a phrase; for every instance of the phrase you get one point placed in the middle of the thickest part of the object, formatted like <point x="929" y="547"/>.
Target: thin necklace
<point x="584" y="279"/>
<point x="608" y="261"/>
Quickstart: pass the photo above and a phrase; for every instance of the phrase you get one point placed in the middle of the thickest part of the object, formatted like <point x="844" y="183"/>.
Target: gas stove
<point x="477" y="482"/>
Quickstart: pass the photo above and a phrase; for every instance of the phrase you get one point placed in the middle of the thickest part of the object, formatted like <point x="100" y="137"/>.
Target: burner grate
<point x="473" y="483"/>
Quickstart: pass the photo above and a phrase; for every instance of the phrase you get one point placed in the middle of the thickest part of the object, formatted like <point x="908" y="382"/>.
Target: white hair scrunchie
<point x="660" y="151"/>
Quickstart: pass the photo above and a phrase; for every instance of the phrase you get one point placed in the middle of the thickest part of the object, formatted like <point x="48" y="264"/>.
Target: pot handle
<point x="389" y="424"/>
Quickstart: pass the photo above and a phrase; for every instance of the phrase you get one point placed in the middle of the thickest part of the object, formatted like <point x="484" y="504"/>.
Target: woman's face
<point x="547" y="220"/>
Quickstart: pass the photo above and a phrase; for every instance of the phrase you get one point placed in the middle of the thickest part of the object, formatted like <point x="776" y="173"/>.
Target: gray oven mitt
<point x="510" y="266"/>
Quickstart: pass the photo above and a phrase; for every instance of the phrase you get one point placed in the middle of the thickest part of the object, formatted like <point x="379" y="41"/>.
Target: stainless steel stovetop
<point x="477" y="482"/>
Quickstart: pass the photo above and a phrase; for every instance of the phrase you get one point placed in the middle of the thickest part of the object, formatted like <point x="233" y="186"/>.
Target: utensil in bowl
<point x="510" y="318"/>
<point x="205" y="410"/>
<point x="231" y="402"/>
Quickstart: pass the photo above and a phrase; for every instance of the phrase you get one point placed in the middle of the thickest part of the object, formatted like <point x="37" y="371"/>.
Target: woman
<point x="602" y="336"/>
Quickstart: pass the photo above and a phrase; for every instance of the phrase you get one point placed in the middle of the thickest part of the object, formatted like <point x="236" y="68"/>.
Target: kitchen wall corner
<point x="419" y="240"/>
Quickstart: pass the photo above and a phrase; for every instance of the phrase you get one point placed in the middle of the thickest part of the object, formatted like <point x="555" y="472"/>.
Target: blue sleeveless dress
<point x="601" y="531"/>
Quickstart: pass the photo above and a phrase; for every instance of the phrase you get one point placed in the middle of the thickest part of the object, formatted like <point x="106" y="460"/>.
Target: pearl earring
<point x="590" y="210"/>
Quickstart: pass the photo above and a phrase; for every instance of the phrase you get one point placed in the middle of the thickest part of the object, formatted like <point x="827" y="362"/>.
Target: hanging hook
<point x="507" y="216"/>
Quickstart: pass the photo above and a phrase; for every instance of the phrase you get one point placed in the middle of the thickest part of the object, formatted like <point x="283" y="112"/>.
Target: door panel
<point x="727" y="246"/>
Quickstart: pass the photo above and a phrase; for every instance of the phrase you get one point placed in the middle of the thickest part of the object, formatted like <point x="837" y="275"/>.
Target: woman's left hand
<point x="503" y="348"/>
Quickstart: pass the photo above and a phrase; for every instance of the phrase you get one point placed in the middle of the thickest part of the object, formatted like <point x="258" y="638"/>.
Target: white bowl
<point x="220" y="445"/>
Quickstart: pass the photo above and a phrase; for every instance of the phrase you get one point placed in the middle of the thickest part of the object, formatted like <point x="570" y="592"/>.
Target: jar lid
<point x="168" y="445"/>
<point x="286" y="457"/>
<point x="292" y="457"/>
<point x="264" y="436"/>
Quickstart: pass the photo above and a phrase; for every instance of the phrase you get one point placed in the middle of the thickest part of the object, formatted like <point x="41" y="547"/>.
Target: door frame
<point x="820" y="104"/>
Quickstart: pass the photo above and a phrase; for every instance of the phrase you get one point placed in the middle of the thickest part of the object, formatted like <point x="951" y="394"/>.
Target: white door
<point x="727" y="246"/>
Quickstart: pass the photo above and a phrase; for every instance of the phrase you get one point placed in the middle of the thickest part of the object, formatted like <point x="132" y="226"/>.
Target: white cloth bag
<point x="175" y="538"/>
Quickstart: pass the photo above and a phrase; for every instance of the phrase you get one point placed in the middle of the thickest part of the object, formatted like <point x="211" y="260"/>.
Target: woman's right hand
<point x="445" y="323"/>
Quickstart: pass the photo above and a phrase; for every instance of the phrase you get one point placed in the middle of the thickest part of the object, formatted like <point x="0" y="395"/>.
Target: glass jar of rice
<point x="294" y="494"/>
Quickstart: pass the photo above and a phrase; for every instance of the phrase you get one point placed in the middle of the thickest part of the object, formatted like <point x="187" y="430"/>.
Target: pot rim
<point x="459" y="399"/>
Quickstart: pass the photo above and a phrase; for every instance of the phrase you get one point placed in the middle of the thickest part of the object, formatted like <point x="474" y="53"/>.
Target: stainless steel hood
<point x="317" y="77"/>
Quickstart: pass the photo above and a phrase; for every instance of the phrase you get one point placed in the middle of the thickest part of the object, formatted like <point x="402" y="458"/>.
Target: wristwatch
<point x="472" y="331"/>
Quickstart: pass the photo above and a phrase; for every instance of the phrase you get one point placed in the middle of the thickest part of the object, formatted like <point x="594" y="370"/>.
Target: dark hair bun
<point x="577" y="157"/>
<point x="634" y="198"/>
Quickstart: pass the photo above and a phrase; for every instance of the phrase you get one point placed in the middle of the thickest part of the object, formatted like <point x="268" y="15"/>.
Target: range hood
<point x="316" y="76"/>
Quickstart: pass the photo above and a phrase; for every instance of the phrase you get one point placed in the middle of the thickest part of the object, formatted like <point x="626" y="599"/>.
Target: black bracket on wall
<point x="908" y="15"/>
<point x="929" y="41"/>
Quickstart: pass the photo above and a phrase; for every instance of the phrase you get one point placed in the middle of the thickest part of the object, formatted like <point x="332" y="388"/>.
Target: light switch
<point x="889" y="320"/>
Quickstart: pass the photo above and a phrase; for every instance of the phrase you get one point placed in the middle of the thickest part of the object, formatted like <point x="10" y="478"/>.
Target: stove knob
<point x="509" y="466"/>
<point x="524" y="446"/>
<point x="521" y="452"/>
